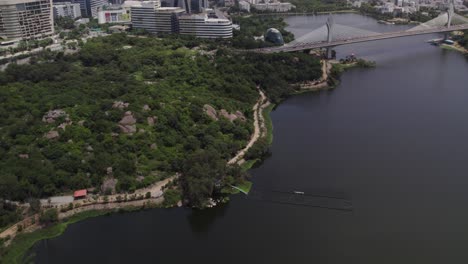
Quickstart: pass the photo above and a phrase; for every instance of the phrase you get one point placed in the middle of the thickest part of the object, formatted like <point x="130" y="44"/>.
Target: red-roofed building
<point x="80" y="194"/>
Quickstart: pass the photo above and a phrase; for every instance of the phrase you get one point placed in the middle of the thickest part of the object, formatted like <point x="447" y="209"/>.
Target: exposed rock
<point x="52" y="134"/>
<point x="154" y="146"/>
<point x="179" y="204"/>
<point x="89" y="148"/>
<point x="81" y="122"/>
<point x="127" y="124"/>
<point x="128" y="119"/>
<point x="109" y="184"/>
<point x="114" y="134"/>
<point x="129" y="129"/>
<point x="141" y="130"/>
<point x="64" y="125"/>
<point x="53" y="115"/>
<point x="120" y="105"/>
<point x="140" y="178"/>
<point x="146" y="108"/>
<point x="210" y="111"/>
<point x="226" y="114"/>
<point x="23" y="156"/>
<point x="151" y="120"/>
<point x="241" y="116"/>
<point x="109" y="170"/>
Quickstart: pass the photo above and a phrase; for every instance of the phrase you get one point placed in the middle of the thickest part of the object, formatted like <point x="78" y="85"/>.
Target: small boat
<point x="299" y="192"/>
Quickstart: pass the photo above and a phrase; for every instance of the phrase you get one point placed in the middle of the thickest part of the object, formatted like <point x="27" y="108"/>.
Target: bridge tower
<point x="330" y="26"/>
<point x="450" y="13"/>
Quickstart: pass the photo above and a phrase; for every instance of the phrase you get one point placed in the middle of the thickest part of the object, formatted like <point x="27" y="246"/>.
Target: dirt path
<point x="323" y="81"/>
<point x="259" y="125"/>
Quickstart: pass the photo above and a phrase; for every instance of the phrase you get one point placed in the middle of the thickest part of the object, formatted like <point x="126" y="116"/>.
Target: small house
<point x="80" y="194"/>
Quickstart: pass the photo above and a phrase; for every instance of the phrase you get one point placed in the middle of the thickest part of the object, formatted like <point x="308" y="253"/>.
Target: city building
<point x="203" y="27"/>
<point x="167" y="19"/>
<point x="143" y="15"/>
<point x="113" y="14"/>
<point x="26" y="19"/>
<point x="89" y="8"/>
<point x="244" y="6"/>
<point x="274" y="7"/>
<point x="67" y="9"/>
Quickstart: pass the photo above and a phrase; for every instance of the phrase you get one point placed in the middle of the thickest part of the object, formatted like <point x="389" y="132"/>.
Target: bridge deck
<point x="338" y="42"/>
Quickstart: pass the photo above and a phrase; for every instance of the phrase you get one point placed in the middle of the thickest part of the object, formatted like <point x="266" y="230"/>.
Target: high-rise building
<point x="203" y="27"/>
<point x="167" y="19"/>
<point x="26" y="19"/>
<point x="90" y="8"/>
<point x="67" y="9"/>
<point x="144" y="15"/>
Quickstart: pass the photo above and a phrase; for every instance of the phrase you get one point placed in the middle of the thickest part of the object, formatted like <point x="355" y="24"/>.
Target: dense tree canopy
<point x="166" y="87"/>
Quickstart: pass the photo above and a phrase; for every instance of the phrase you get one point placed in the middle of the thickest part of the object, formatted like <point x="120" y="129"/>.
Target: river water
<point x="392" y="140"/>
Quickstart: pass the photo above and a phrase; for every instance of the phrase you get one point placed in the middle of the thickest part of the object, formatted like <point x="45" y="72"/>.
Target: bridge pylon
<point x="330" y="26"/>
<point x="450" y="13"/>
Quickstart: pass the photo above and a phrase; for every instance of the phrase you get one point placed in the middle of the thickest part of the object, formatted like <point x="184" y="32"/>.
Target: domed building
<point x="274" y="36"/>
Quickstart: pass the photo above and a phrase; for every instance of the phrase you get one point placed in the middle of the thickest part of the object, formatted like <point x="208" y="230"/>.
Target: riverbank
<point x="21" y="236"/>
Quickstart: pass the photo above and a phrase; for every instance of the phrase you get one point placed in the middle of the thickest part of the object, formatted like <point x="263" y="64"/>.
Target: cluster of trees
<point x="319" y="5"/>
<point x="256" y="26"/>
<point x="159" y="78"/>
<point x="420" y="16"/>
<point x="8" y="214"/>
<point x="25" y="45"/>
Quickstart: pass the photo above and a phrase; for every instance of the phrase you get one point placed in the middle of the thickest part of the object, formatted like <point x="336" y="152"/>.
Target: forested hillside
<point x="133" y="109"/>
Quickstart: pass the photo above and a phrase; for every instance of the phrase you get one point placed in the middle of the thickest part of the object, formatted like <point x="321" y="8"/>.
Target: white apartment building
<point x="67" y="9"/>
<point x="143" y="15"/>
<point x="203" y="27"/>
<point x="26" y="19"/>
<point x="113" y="16"/>
<point x="274" y="7"/>
<point x="167" y="19"/>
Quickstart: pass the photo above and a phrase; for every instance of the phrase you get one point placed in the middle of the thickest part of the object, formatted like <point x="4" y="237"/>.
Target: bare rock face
<point x="52" y="115"/>
<point x="226" y="114"/>
<point x="232" y="116"/>
<point x="154" y="146"/>
<point x="64" y="125"/>
<point x="127" y="124"/>
<point x="109" y="184"/>
<point x="109" y="170"/>
<point x="210" y="111"/>
<point x="151" y="120"/>
<point x="23" y="156"/>
<point x="52" y="134"/>
<point x="81" y="122"/>
<point x="241" y="116"/>
<point x="146" y="108"/>
<point x="120" y="105"/>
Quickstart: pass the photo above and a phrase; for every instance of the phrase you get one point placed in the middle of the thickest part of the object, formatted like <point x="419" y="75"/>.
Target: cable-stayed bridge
<point x="331" y="34"/>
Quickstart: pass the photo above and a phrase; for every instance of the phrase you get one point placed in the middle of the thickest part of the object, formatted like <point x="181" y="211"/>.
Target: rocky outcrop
<point x="108" y="185"/>
<point x="23" y="156"/>
<point x="151" y="120"/>
<point x="52" y="134"/>
<point x="210" y="111"/>
<point x="53" y="115"/>
<point x="127" y="124"/>
<point x="146" y="108"/>
<point x="120" y="105"/>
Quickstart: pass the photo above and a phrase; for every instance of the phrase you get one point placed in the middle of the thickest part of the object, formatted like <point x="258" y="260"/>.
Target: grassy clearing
<point x="245" y="186"/>
<point x="22" y="243"/>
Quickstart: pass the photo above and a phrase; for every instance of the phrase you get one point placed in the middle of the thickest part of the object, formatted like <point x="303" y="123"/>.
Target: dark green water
<point x="392" y="139"/>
